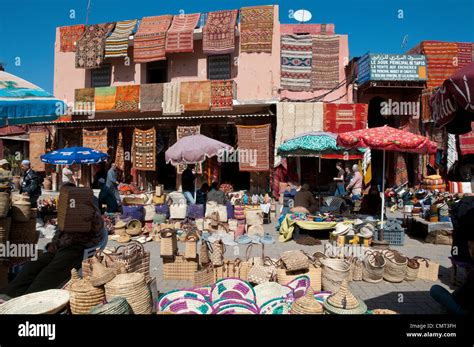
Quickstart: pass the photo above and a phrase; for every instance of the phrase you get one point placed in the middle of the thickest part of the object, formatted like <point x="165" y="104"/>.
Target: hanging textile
<point x="256" y="29"/>
<point x="37" y="148"/>
<point x="179" y="37"/>
<point x="340" y="118"/>
<point x="104" y="98"/>
<point x="171" y="93"/>
<point x="367" y="166"/>
<point x="151" y="97"/>
<point x="218" y="34"/>
<point x="254" y="147"/>
<point x="466" y="142"/>
<point x="296" y="57"/>
<point x="127" y="98"/>
<point x="440" y="57"/>
<point x="90" y="47"/>
<point x="120" y="153"/>
<point x="295" y="118"/>
<point x="144" y="149"/>
<point x="68" y="36"/>
<point x="182" y="131"/>
<point x="149" y="41"/>
<point x="311" y="29"/>
<point x="95" y="139"/>
<point x="325" y="64"/>
<point x="222" y="95"/>
<point x="464" y="54"/>
<point x="116" y="45"/>
<point x="84" y="100"/>
<point x="452" y="155"/>
<point x="438" y="136"/>
<point x="425" y="105"/>
<point x="401" y="173"/>
<point x="195" y="96"/>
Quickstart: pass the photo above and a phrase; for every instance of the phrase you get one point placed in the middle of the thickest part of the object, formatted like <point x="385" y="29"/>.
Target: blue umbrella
<point x="74" y="155"/>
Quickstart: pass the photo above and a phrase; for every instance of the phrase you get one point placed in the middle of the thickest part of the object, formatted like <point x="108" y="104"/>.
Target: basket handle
<point x="426" y="260"/>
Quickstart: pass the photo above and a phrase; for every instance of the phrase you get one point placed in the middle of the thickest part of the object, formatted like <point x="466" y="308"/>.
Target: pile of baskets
<point x="132" y="287"/>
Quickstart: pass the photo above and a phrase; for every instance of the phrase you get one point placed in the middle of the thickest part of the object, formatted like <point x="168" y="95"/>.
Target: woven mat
<point x="218" y="34"/>
<point x="296" y="57"/>
<point x="104" y="98"/>
<point x="440" y="57"/>
<point x="37" y="148"/>
<point x="256" y="29"/>
<point x="464" y="54"/>
<point x="151" y="97"/>
<point x="195" y="96"/>
<point x="339" y="118"/>
<point x="254" y="147"/>
<point x="116" y="45"/>
<point x="144" y="149"/>
<point x="120" y="153"/>
<point x="127" y="98"/>
<point x="222" y="94"/>
<point x="68" y="37"/>
<point x="149" y="41"/>
<point x="311" y="29"/>
<point x="90" y="47"/>
<point x="466" y="142"/>
<point x="95" y="139"/>
<point x="84" y="99"/>
<point x="325" y="65"/>
<point x="183" y="131"/>
<point x="171" y="104"/>
<point x="179" y="37"/>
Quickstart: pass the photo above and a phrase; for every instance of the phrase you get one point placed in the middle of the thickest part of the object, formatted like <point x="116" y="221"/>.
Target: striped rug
<point x="325" y="65"/>
<point x="149" y="41"/>
<point x="116" y="45"/>
<point x="296" y="57"/>
<point x="441" y="57"/>
<point x="256" y="29"/>
<point x="218" y="34"/>
<point x="179" y="37"/>
<point x="171" y="104"/>
<point x="466" y="142"/>
<point x="464" y="54"/>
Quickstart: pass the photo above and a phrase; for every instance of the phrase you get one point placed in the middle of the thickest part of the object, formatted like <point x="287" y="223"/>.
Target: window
<point x="157" y="72"/>
<point x="100" y="77"/>
<point x="218" y="67"/>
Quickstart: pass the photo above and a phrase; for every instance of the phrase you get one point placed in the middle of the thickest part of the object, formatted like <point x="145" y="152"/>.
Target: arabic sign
<point x="391" y="67"/>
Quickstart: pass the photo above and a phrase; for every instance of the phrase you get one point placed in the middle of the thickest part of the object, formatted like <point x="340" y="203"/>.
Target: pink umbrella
<point x="386" y="139"/>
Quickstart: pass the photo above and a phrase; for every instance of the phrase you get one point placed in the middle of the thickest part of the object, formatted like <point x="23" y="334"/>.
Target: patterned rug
<point x="179" y="37"/>
<point x="296" y="56"/>
<point x="144" y="149"/>
<point x="339" y="118"/>
<point x="218" y="34"/>
<point x="151" y="97"/>
<point x="171" y="104"/>
<point x="195" y="96"/>
<point x="466" y="142"/>
<point x="120" y="153"/>
<point x="222" y="94"/>
<point x="127" y="98"/>
<point x="325" y="68"/>
<point x="440" y="57"/>
<point x="183" y="131"/>
<point x="90" y="47"/>
<point x="464" y="54"/>
<point x="37" y="148"/>
<point x="401" y="173"/>
<point x="256" y="29"/>
<point x="104" y="98"/>
<point x="295" y="118"/>
<point x="254" y="147"/>
<point x="84" y="99"/>
<point x="116" y="45"/>
<point x="311" y="29"/>
<point x="95" y="139"/>
<point x="149" y="41"/>
<point x="68" y="37"/>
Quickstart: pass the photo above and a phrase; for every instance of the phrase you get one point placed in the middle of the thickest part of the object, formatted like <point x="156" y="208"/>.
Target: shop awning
<point x="16" y="138"/>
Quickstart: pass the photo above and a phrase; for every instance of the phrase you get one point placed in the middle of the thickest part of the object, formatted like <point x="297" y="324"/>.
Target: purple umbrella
<point x="195" y="148"/>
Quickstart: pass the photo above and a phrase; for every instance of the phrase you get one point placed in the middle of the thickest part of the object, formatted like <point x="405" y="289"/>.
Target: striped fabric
<point x="116" y="45"/>
<point x="296" y="59"/>
<point x="149" y="41"/>
<point x="179" y="38"/>
<point x="441" y="58"/>
<point x="464" y="53"/>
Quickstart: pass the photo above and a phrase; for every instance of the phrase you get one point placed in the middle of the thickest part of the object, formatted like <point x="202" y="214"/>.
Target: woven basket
<point x="83" y="295"/>
<point x="373" y="267"/>
<point x="395" y="266"/>
<point x="117" y="305"/>
<point x="313" y="272"/>
<point x="190" y="251"/>
<point x="307" y="304"/>
<point x="229" y="269"/>
<point x="333" y="273"/>
<point x="204" y="277"/>
<point x="4" y="204"/>
<point x="428" y="269"/>
<point x="24" y="232"/>
<point x="179" y="268"/>
<point x="21" y="211"/>
<point x="169" y="243"/>
<point x="5" y="224"/>
<point x="204" y="254"/>
<point x="412" y="270"/>
<point x="132" y="287"/>
<point x="357" y="268"/>
<point x="134" y="227"/>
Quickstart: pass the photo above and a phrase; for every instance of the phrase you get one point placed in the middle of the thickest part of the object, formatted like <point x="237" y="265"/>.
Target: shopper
<point x="201" y="194"/>
<point x="31" y="183"/>
<point x="215" y="194"/>
<point x="68" y="175"/>
<point x="348" y="176"/>
<point x="355" y="185"/>
<point x="107" y="198"/>
<point x="339" y="179"/>
<point x="187" y="183"/>
<point x="112" y="182"/>
<point x="305" y="200"/>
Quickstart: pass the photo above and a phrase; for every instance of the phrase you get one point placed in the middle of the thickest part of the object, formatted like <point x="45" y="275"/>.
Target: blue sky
<point x="27" y="27"/>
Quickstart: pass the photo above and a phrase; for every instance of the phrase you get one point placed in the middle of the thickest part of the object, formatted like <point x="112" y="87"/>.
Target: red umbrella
<point x="386" y="139"/>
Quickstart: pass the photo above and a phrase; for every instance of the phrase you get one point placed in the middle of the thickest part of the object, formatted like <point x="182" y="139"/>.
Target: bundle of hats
<point x="393" y="224"/>
<point x="344" y="302"/>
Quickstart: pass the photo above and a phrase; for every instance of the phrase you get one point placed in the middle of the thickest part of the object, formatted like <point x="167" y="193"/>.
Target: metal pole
<point x="383" y="197"/>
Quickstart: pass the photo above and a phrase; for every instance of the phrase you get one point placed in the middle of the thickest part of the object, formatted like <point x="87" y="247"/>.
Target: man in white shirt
<point x="68" y="175"/>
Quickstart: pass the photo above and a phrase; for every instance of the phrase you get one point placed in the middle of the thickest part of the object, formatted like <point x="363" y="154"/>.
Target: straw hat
<point x="358" y="222"/>
<point x="341" y="229"/>
<point x="120" y="224"/>
<point x="100" y="274"/>
<point x="366" y="232"/>
<point x="123" y="239"/>
<point x="344" y="302"/>
<point x="134" y="227"/>
<point x="307" y="304"/>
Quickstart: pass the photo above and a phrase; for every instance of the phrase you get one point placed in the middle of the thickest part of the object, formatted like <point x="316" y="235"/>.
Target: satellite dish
<point x="302" y="16"/>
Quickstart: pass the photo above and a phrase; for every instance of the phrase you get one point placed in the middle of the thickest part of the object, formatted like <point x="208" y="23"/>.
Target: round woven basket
<point x="21" y="211"/>
<point x="395" y="266"/>
<point x="4" y="204"/>
<point x="412" y="270"/>
<point x="118" y="305"/>
<point x="334" y="272"/>
<point x="307" y="304"/>
<point x="134" y="227"/>
<point x="84" y="296"/>
<point x="45" y="302"/>
<point x="4" y="229"/>
<point x="373" y="267"/>
<point x="133" y="288"/>
<point x="344" y="302"/>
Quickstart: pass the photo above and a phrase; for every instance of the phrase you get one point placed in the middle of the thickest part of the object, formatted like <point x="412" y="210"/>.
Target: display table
<point x="288" y="226"/>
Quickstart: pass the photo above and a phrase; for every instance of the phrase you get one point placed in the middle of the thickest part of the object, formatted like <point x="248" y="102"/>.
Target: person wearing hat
<point x="107" y="198"/>
<point x="31" y="183"/>
<point x="5" y="172"/>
